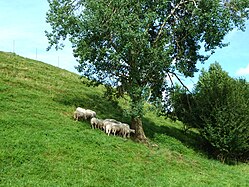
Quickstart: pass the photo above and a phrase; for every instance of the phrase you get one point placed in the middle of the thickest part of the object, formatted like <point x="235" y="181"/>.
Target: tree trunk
<point x="136" y="123"/>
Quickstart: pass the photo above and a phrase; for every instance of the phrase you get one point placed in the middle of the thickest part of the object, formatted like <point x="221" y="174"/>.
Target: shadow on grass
<point x="189" y="139"/>
<point x="101" y="105"/>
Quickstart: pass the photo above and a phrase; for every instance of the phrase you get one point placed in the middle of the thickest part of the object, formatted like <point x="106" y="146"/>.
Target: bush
<point x="220" y="112"/>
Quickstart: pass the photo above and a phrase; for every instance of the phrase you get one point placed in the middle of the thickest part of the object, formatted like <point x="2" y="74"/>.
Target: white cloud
<point x="243" y="71"/>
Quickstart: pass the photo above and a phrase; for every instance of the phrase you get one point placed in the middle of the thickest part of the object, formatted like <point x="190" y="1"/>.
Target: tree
<point x="132" y="46"/>
<point x="223" y="115"/>
<point x="218" y="108"/>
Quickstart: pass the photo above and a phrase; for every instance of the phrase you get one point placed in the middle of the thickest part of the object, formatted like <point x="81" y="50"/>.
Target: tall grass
<point x="41" y="145"/>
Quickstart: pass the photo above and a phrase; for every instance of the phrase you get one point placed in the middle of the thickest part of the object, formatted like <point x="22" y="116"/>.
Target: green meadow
<point x="41" y="144"/>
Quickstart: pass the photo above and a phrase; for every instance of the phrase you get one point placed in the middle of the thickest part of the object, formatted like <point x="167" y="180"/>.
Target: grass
<point x="41" y="145"/>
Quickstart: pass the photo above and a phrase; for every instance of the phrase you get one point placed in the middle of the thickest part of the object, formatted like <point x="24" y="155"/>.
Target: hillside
<point x="41" y="145"/>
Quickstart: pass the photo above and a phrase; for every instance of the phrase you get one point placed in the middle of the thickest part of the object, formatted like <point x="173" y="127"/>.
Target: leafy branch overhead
<point x="135" y="45"/>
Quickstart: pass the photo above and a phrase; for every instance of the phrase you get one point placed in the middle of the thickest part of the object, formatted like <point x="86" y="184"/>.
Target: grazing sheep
<point x="75" y="116"/>
<point x="116" y="128"/>
<point x="108" y="127"/>
<point x="111" y="125"/>
<point x="89" y="114"/>
<point x="96" y="123"/>
<point x="79" y="113"/>
<point x="109" y="121"/>
<point x="126" y="131"/>
<point x="83" y="113"/>
<point x="100" y="124"/>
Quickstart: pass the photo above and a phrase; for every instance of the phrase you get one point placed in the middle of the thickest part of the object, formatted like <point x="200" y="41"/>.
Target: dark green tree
<point x="222" y="112"/>
<point x="132" y="46"/>
<point x="219" y="109"/>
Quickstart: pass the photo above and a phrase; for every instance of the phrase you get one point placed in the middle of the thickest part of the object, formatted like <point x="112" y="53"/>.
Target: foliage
<point x="41" y="144"/>
<point x="135" y="45"/>
<point x="220" y="112"/>
<point x="182" y="107"/>
<point x="223" y="112"/>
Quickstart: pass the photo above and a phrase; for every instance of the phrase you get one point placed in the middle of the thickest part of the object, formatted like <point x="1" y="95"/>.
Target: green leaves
<point x="142" y="33"/>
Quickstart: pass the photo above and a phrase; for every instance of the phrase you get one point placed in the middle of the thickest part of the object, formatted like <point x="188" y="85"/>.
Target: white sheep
<point x="96" y="123"/>
<point x="108" y="127"/>
<point x="109" y="121"/>
<point x="108" y="124"/>
<point x="125" y="131"/>
<point x="111" y="126"/>
<point x="100" y="124"/>
<point x="116" y="128"/>
<point x="83" y="113"/>
<point x="89" y="114"/>
<point x="79" y="113"/>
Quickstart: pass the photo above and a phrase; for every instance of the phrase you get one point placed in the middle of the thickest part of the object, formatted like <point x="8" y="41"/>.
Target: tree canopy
<point x="133" y="46"/>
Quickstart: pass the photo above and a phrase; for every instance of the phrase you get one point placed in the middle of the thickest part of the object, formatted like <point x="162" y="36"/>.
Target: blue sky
<point x="22" y="26"/>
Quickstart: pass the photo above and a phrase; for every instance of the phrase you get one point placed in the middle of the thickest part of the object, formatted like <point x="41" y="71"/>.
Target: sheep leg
<point x="75" y="116"/>
<point x="109" y="132"/>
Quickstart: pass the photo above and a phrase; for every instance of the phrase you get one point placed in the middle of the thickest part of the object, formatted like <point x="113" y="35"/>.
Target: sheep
<point x="89" y="114"/>
<point x="116" y="128"/>
<point x="79" y="113"/>
<point x="109" y="121"/>
<point x="119" y="127"/>
<point x="83" y="113"/>
<point x="108" y="127"/>
<point x="111" y="125"/>
<point x="76" y="116"/>
<point x="126" y="131"/>
<point x="100" y="124"/>
<point x="96" y="123"/>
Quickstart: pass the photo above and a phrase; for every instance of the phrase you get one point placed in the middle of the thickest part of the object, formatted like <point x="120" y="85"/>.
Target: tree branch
<point x="170" y="79"/>
<point x="180" y="81"/>
<point x="172" y="14"/>
<point x="164" y="23"/>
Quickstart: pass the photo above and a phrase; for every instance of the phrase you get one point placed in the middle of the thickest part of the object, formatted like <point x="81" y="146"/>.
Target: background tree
<point x="223" y="113"/>
<point x="218" y="108"/>
<point x="133" y="46"/>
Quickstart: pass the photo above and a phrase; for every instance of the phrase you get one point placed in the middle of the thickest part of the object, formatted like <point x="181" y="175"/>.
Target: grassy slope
<point x="41" y="145"/>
